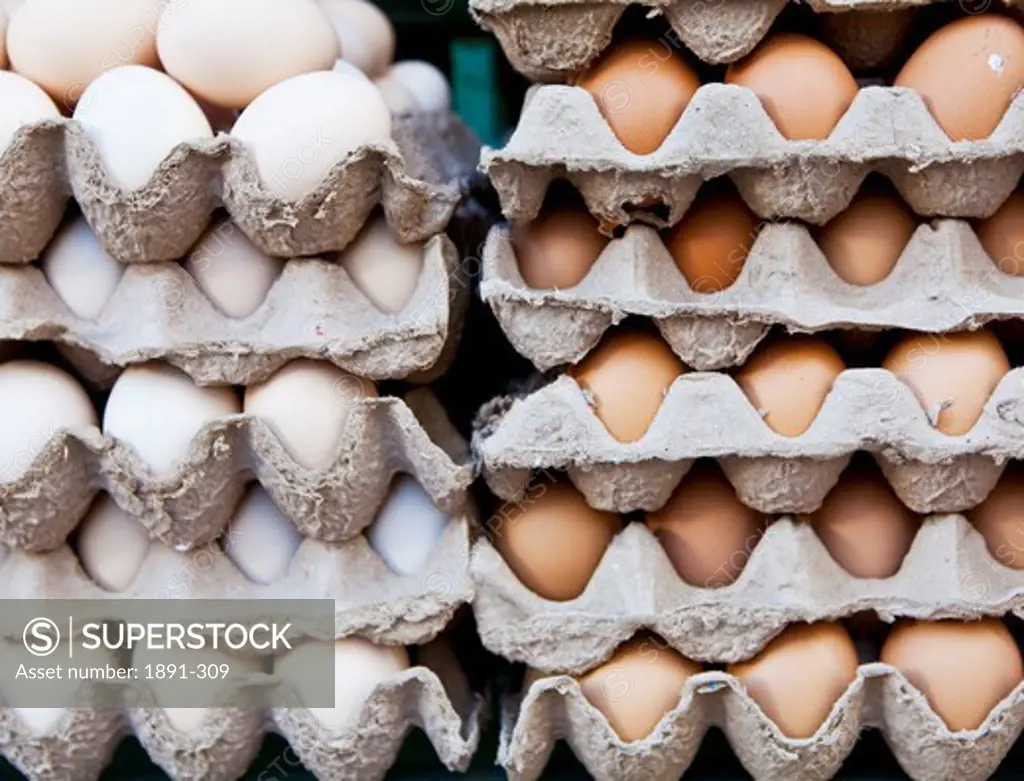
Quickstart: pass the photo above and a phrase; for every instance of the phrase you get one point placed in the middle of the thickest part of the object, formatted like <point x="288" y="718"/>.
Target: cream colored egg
<point x="232" y="271"/>
<point x="385" y="270"/>
<point x="37" y="402"/>
<point x="24" y="104"/>
<point x="398" y="99"/>
<point x="307" y="404"/>
<point x="137" y="116"/>
<point x="111" y="545"/>
<point x="157" y="409"/>
<point x="407" y="528"/>
<point x="359" y="668"/>
<point x="171" y="690"/>
<point x="79" y="270"/>
<point x="425" y="82"/>
<point x="63" y="45"/>
<point x="366" y="36"/>
<point x="229" y="51"/>
<point x="298" y="130"/>
<point x="260" y="540"/>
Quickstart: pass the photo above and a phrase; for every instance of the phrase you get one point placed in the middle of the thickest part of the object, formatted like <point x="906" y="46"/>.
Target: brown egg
<point x="642" y="88"/>
<point x="627" y="376"/>
<point x="964" y="669"/>
<point x="707" y="532"/>
<point x="951" y="374"/>
<point x="804" y="86"/>
<point x="787" y="381"/>
<point x="798" y="677"/>
<point x="863" y="243"/>
<point x="711" y="243"/>
<point x="1002" y="235"/>
<point x="1000" y="518"/>
<point x="634" y="689"/>
<point x="557" y="249"/>
<point x="552" y="540"/>
<point x="865" y="528"/>
<point x="967" y="73"/>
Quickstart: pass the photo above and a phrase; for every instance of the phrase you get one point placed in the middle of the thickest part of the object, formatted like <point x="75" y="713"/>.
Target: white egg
<point x="137" y="116"/>
<point x="424" y="82"/>
<point x="307" y="404"/>
<point x="261" y="541"/>
<point x="232" y="271"/>
<point x="41" y="721"/>
<point x="359" y="668"/>
<point x="407" y="528"/>
<point x="299" y="129"/>
<point x="365" y="33"/>
<point x="24" y="104"/>
<point x="348" y="69"/>
<point x="385" y="270"/>
<point x="79" y="270"/>
<point x="37" y="401"/>
<point x="167" y="690"/>
<point x="111" y="545"/>
<point x="157" y="409"/>
<point x="398" y="99"/>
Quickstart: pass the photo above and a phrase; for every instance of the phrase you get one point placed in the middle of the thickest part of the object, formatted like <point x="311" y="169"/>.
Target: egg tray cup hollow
<point x="724" y="130"/>
<point x="552" y="40"/>
<point x="313" y="310"/>
<point x="706" y="415"/>
<point x="226" y="743"/>
<point x="194" y="503"/>
<point x="417" y="185"/>
<point x="880" y="697"/>
<point x="943" y="281"/>
<point x="789" y="578"/>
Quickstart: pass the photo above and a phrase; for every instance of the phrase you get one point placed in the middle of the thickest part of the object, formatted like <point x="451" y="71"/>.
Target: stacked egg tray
<point x="944" y="281"/>
<point x="420" y="180"/>
<point x="228" y="740"/>
<point x="551" y="40"/>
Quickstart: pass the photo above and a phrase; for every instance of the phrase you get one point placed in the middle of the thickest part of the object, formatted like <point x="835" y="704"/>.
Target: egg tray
<point x="944" y="280"/>
<point x="789" y="578"/>
<point x="225" y="745"/>
<point x="552" y="40"/>
<point x="194" y="503"/>
<point x="724" y="130"/>
<point x="314" y="310"/>
<point x="417" y="177"/>
<point x="880" y="696"/>
<point x="706" y="415"/>
<point x="370" y="599"/>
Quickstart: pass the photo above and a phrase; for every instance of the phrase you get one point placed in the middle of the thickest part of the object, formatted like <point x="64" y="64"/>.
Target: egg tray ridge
<point x="313" y="310"/>
<point x="225" y="745"/>
<point x="706" y="415"/>
<point x="551" y="40"/>
<point x="880" y="696"/>
<point x="417" y="177"/>
<point x="789" y="578"/>
<point x="561" y="134"/>
<point x="194" y="503"/>
<point x="943" y="281"/>
<point x="371" y="600"/>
